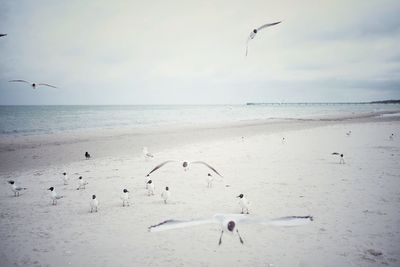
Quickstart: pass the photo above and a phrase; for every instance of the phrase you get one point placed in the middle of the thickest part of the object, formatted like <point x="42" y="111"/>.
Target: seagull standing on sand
<point x="150" y="188"/>
<point x="146" y="154"/>
<point x="16" y="189"/>
<point x="185" y="165"/>
<point x="54" y="196"/>
<point x="65" y="178"/>
<point x="244" y="203"/>
<point x="341" y="161"/>
<point x="229" y="223"/>
<point x="34" y="85"/>
<point x="87" y="155"/>
<point x="82" y="183"/>
<point x="166" y="194"/>
<point x="94" y="203"/>
<point x="255" y="31"/>
<point x="125" y="197"/>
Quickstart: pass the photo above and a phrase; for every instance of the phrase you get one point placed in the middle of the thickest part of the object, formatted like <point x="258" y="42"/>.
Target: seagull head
<point x="94" y="197"/>
<point x="240" y="196"/>
<point x="166" y="188"/>
<point x="255" y="30"/>
<point x="11" y="182"/>
<point x="231" y="226"/>
<point x="209" y="174"/>
<point x="80" y="178"/>
<point x="126" y="191"/>
<point x="51" y="188"/>
<point x="185" y="164"/>
<point x="64" y="173"/>
<point x="149" y="181"/>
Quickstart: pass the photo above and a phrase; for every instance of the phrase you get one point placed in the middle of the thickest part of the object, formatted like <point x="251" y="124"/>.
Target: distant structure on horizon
<point x="325" y="103"/>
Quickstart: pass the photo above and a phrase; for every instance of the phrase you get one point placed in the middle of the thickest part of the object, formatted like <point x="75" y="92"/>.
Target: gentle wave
<point x="44" y="120"/>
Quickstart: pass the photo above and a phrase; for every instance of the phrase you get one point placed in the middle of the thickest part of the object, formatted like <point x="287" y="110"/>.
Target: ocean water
<point x="38" y="120"/>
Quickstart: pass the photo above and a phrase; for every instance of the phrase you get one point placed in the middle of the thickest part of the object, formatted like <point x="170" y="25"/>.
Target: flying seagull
<point x="32" y="84"/>
<point x="229" y="223"/>
<point x="254" y="32"/>
<point x="185" y="165"/>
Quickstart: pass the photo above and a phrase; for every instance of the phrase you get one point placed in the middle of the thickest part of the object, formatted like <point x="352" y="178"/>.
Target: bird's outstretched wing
<point x="3" y="34"/>
<point x="202" y="162"/>
<point x="160" y="165"/>
<point x="19" y="81"/>
<point x="335" y="153"/>
<point x="45" y="84"/>
<point x="268" y="25"/>
<point x="175" y="224"/>
<point x="282" y="221"/>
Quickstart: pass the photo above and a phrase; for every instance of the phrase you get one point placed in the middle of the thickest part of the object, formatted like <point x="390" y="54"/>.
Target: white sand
<point x="356" y="206"/>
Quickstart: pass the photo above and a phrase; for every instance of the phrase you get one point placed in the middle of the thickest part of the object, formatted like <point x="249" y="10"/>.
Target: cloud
<point x="181" y="52"/>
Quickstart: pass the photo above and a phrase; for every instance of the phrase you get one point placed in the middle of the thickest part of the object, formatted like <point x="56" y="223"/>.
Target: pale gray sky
<point x="192" y="52"/>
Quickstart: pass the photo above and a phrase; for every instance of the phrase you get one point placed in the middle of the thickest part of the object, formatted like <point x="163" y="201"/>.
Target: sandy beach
<point x="356" y="205"/>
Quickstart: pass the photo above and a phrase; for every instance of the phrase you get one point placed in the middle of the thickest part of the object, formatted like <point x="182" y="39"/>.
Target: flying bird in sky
<point x="34" y="85"/>
<point x="255" y="31"/>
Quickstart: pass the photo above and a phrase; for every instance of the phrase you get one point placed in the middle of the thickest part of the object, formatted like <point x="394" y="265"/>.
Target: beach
<point x="356" y="205"/>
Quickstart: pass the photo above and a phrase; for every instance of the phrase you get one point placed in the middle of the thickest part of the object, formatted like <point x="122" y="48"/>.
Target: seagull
<point x="87" y="155"/>
<point x="254" y="32"/>
<point x="82" y="184"/>
<point x="3" y="34"/>
<point x="244" y="203"/>
<point x="166" y="194"/>
<point x="185" y="165"/>
<point x="341" y="157"/>
<point x="125" y="197"/>
<point x="150" y="188"/>
<point x="16" y="189"/>
<point x="94" y="203"/>
<point x="34" y="85"/>
<point x="54" y="196"/>
<point x="65" y="178"/>
<point x="146" y="153"/>
<point x="229" y="223"/>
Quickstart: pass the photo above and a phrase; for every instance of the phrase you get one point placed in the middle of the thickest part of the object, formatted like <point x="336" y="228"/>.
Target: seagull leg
<point x="240" y="238"/>
<point x="220" y="238"/>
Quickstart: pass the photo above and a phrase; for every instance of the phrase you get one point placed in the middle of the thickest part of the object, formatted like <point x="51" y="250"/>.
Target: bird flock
<point x="228" y="222"/>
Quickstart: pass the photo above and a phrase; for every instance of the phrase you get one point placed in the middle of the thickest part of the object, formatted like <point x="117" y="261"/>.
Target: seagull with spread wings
<point x="34" y="85"/>
<point x="229" y="223"/>
<point x="185" y="165"/>
<point x="254" y="32"/>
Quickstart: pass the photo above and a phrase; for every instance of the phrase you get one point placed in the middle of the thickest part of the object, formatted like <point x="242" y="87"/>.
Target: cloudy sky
<point x="193" y="52"/>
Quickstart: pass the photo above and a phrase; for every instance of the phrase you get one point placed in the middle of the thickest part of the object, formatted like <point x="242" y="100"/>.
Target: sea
<point x="42" y="120"/>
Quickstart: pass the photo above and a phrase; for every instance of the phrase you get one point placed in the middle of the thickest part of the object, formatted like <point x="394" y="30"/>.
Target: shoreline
<point x="36" y="152"/>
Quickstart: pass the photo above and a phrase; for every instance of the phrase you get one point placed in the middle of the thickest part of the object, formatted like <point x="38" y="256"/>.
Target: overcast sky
<point x="193" y="52"/>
